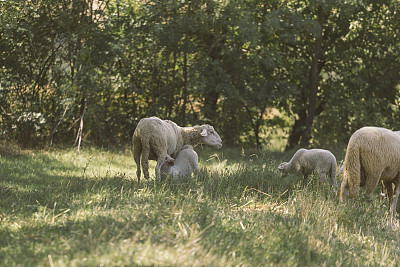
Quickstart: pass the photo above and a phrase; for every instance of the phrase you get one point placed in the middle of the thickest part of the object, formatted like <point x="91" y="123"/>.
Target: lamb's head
<point x="169" y="160"/>
<point x="283" y="168"/>
<point x="209" y="136"/>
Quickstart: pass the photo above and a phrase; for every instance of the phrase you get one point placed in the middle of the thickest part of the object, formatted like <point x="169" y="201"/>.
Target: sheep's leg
<point x="389" y="190"/>
<point x="160" y="162"/>
<point x="145" y="160"/>
<point x="393" y="206"/>
<point x="370" y="185"/>
<point x="333" y="181"/>
<point x="333" y="176"/>
<point x="344" y="190"/>
<point x="137" y="150"/>
<point x="160" y="153"/>
<point x="322" y="177"/>
<point x="305" y="178"/>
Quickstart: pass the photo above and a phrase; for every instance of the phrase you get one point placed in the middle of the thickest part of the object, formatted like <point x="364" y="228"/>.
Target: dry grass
<point x="60" y="208"/>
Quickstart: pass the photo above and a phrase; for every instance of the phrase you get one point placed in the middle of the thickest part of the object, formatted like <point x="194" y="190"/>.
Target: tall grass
<point x="61" y="208"/>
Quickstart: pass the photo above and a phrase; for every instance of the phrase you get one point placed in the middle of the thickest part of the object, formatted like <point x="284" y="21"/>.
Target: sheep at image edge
<point x="185" y="163"/>
<point x="373" y="154"/>
<point x="154" y="139"/>
<point x="313" y="160"/>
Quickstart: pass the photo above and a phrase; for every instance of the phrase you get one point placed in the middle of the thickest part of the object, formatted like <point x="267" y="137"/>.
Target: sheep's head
<point x="283" y="168"/>
<point x="209" y="136"/>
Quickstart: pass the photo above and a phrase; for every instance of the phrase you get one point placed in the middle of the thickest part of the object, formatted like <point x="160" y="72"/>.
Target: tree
<point x="362" y="77"/>
<point x="309" y="32"/>
<point x="90" y="70"/>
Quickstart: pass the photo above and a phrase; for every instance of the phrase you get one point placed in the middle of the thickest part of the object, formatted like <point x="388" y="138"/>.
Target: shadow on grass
<point x="28" y="182"/>
<point x="137" y="218"/>
<point x="119" y="209"/>
<point x="268" y="237"/>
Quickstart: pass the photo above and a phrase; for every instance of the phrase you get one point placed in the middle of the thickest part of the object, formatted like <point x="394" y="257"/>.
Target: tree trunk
<point x="79" y="134"/>
<point x="301" y="131"/>
<point x="314" y="79"/>
<point x="184" y="94"/>
<point x="185" y="69"/>
<point x="256" y="125"/>
<point x="210" y="104"/>
<point x="58" y="124"/>
<point x="297" y="130"/>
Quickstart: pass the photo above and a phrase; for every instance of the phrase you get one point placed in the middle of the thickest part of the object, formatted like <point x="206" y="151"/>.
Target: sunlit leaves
<point x="218" y="61"/>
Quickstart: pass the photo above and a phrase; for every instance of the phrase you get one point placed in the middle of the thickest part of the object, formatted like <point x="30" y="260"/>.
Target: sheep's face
<point x="210" y="137"/>
<point x="283" y="168"/>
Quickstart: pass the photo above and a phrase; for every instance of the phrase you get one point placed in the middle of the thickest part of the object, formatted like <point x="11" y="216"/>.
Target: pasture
<point x="63" y="208"/>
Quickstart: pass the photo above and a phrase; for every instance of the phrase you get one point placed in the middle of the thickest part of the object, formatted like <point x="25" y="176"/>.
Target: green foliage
<point x="104" y="65"/>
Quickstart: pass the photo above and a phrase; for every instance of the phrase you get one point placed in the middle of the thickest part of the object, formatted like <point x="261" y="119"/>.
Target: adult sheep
<point x="307" y="161"/>
<point x="185" y="163"/>
<point x="154" y="139"/>
<point x="373" y="154"/>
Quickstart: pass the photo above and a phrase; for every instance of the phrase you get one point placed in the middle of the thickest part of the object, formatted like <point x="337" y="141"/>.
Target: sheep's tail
<point x="352" y="169"/>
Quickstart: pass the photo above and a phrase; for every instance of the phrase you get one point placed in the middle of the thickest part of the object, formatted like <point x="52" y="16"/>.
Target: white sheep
<point x="373" y="154"/>
<point x="154" y="139"/>
<point x="313" y="160"/>
<point x="184" y="164"/>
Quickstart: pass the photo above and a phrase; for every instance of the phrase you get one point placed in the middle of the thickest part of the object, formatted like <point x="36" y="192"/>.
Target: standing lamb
<point x="155" y="138"/>
<point x="184" y="164"/>
<point x="373" y="154"/>
<point x="309" y="161"/>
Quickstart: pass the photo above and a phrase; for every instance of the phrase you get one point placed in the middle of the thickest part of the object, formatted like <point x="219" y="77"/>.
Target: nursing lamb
<point x="184" y="164"/>
<point x="308" y="161"/>
<point x="155" y="138"/>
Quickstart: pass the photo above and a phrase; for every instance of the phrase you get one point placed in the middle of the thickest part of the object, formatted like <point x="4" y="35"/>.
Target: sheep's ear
<point x="204" y="132"/>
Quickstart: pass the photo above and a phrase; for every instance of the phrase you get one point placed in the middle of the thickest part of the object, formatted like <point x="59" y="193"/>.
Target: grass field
<point x="61" y="208"/>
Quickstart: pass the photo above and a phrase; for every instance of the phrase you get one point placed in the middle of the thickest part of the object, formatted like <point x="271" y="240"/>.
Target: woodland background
<point x="89" y="70"/>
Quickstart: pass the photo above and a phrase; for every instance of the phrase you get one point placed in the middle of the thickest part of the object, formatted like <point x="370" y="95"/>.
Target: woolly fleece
<point x="373" y="154"/>
<point x="185" y="163"/>
<point x="313" y="160"/>
<point x="154" y="139"/>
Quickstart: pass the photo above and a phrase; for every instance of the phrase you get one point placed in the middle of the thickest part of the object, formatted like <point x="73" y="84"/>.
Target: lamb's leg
<point x="393" y="206"/>
<point x="305" y="179"/>
<point x="333" y="175"/>
<point x="322" y="177"/>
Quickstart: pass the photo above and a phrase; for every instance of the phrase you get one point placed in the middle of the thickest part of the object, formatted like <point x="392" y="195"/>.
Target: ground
<point x="63" y="208"/>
